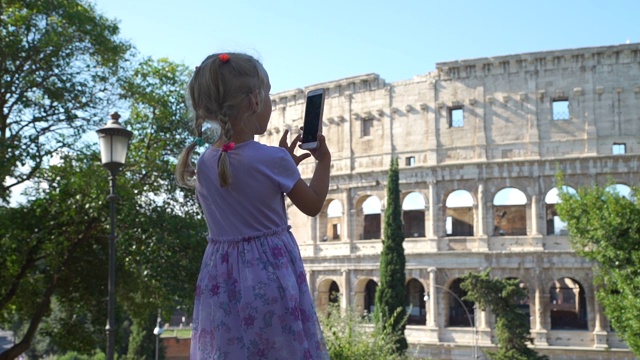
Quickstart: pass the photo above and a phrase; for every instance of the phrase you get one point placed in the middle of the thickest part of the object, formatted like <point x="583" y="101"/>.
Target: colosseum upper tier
<point x="479" y="144"/>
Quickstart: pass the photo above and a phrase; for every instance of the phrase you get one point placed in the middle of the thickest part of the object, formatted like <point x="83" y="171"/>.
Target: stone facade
<point x="479" y="144"/>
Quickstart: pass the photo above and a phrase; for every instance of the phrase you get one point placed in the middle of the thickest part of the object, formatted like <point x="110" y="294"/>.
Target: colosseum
<point x="479" y="144"/>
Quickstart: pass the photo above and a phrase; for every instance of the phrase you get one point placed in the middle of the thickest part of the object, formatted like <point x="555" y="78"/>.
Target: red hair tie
<point x="228" y="146"/>
<point x="223" y="57"/>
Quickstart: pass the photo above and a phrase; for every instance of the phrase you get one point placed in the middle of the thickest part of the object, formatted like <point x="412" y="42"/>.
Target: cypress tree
<point x="390" y="295"/>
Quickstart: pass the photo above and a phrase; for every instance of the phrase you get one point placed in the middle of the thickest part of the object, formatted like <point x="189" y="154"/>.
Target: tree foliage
<point x="55" y="245"/>
<point x="501" y="296"/>
<point x="604" y="226"/>
<point x="390" y="295"/>
<point x="57" y="65"/>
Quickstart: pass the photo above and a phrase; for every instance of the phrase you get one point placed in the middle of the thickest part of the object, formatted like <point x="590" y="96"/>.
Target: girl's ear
<point x="255" y="100"/>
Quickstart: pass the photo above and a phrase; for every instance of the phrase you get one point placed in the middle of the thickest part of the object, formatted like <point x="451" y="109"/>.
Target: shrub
<point x="351" y="336"/>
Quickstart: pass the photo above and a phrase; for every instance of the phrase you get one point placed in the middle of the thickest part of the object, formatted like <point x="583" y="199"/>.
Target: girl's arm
<point x="310" y="198"/>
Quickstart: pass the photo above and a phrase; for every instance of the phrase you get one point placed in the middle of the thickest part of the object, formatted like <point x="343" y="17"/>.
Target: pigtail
<point x="185" y="171"/>
<point x="224" y="173"/>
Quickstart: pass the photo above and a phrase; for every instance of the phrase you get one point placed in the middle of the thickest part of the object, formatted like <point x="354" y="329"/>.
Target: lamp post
<point x="114" y="144"/>
<point x="157" y="332"/>
<point x="475" y="331"/>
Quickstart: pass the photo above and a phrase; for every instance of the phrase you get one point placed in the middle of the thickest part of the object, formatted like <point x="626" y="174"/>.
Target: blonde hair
<point x="218" y="93"/>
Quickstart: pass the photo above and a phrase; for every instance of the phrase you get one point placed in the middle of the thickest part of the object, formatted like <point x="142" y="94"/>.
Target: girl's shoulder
<point x="268" y="150"/>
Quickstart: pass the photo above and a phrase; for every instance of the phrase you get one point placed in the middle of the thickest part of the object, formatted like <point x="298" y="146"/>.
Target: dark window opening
<point x="459" y="221"/>
<point x="410" y="161"/>
<point x="413" y="223"/>
<point x="371" y="226"/>
<point x="510" y="220"/>
<point x="370" y="296"/>
<point x="568" y="306"/>
<point x="367" y="125"/>
<point x="334" y="293"/>
<point x="336" y="232"/>
<point x="457" y="314"/>
<point x="415" y="304"/>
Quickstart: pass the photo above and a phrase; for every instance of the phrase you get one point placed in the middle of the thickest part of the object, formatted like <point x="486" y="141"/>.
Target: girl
<point x="252" y="297"/>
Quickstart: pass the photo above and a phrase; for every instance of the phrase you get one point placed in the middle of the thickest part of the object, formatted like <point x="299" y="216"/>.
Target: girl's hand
<point x="321" y="153"/>
<point x="291" y="148"/>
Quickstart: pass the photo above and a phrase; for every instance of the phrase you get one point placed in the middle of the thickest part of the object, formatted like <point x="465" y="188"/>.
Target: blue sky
<point x="302" y="43"/>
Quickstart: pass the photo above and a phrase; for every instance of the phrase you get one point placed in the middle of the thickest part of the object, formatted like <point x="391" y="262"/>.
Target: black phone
<point x="314" y="107"/>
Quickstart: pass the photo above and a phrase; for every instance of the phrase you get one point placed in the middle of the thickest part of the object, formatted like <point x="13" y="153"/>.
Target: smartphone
<point x="312" y="119"/>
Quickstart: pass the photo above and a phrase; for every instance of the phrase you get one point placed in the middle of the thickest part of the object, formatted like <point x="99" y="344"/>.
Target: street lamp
<point x="157" y="332"/>
<point x="114" y="144"/>
<point x="475" y="330"/>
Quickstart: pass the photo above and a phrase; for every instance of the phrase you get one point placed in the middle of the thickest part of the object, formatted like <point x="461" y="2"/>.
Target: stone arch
<point x="555" y="225"/>
<point x="415" y="303"/>
<point x="328" y="294"/>
<point x="510" y="212"/>
<point x="456" y="315"/>
<point x="414" y="208"/>
<point x="459" y="215"/>
<point x="363" y="299"/>
<point x="568" y="305"/>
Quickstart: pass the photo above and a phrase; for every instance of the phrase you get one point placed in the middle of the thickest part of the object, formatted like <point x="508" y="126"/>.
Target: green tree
<point x="55" y="245"/>
<point x="604" y="227"/>
<point x="501" y="296"/>
<point x="57" y="64"/>
<point x="390" y="295"/>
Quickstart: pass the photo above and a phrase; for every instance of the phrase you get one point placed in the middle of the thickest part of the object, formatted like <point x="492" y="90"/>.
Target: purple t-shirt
<point x="254" y="201"/>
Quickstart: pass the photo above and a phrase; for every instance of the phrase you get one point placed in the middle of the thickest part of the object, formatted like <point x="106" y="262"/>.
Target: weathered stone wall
<point x="507" y="137"/>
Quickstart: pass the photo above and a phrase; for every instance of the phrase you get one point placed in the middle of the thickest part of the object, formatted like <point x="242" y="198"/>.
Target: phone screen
<point x="312" y="113"/>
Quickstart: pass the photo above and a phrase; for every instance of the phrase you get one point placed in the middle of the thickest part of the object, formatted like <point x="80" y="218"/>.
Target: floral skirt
<point x="253" y="302"/>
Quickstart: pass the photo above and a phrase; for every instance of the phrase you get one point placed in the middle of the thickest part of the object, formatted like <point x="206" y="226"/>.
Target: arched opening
<point x="555" y="225"/>
<point x="334" y="215"/>
<point x="413" y="209"/>
<point x="371" y="209"/>
<point x="568" y="305"/>
<point x="370" y="297"/>
<point x="416" y="309"/>
<point x="509" y="212"/>
<point x="328" y="294"/>
<point x="457" y="315"/>
<point x="459" y="214"/>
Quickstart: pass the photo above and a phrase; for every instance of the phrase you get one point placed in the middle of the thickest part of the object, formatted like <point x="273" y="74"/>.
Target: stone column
<point x="534" y="215"/>
<point x="312" y="287"/>
<point x="600" y="335"/>
<point x="346" y="222"/>
<point x="539" y="333"/>
<point x="432" y="312"/>
<point x="346" y="297"/>
<point x="536" y="238"/>
<point x="432" y="237"/>
<point x="483" y="239"/>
